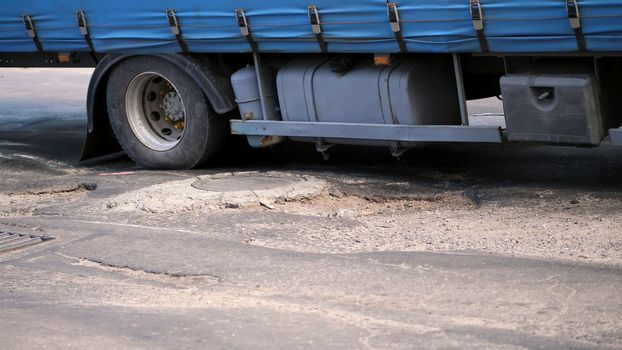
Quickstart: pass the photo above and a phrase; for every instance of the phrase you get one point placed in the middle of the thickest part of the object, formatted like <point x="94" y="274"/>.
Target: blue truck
<point x="174" y="78"/>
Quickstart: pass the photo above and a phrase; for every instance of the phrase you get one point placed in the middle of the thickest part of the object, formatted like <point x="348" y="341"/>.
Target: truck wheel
<point x="161" y="117"/>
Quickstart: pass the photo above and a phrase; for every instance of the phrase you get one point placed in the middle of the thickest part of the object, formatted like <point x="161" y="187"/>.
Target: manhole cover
<point x="224" y="190"/>
<point x="11" y="241"/>
<point x="244" y="182"/>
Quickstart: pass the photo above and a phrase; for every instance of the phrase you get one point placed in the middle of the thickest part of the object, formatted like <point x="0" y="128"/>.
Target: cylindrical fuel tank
<point x="246" y="89"/>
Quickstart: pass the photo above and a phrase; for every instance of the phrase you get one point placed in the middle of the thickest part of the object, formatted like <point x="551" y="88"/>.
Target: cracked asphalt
<point x="453" y="246"/>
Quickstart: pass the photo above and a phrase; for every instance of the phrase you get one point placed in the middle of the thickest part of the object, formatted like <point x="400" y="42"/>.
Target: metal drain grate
<point x="10" y="241"/>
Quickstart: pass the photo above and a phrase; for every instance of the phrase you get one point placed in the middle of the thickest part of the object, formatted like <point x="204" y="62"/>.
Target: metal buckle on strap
<point x="30" y="27"/>
<point x="316" y="27"/>
<point x="396" y="27"/>
<point x="242" y="22"/>
<point x="314" y="18"/>
<point x="574" y="16"/>
<point x="172" y="22"/>
<point x="82" y="24"/>
<point x="477" y="16"/>
<point x="245" y="29"/>
<point x="394" y="17"/>
<point x="32" y="32"/>
<point x="84" y="30"/>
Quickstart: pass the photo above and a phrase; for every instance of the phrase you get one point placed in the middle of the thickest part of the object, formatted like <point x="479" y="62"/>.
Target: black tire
<point x="204" y="133"/>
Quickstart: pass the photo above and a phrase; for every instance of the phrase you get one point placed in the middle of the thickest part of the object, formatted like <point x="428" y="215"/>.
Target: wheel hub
<point x="173" y="106"/>
<point x="155" y="111"/>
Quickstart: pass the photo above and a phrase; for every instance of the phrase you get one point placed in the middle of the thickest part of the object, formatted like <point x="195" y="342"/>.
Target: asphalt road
<point x="453" y="246"/>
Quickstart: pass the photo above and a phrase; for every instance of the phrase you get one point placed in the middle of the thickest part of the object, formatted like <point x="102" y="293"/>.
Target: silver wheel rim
<point x="155" y="111"/>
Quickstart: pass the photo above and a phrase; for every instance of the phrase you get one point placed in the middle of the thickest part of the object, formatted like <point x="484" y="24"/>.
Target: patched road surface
<point x="453" y="246"/>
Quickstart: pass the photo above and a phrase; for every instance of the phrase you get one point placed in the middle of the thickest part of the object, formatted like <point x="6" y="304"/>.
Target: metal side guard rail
<point x="383" y="132"/>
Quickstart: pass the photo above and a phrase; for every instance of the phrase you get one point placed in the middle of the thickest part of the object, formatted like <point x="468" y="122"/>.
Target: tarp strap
<point x="84" y="30"/>
<point x="316" y="27"/>
<point x="32" y="32"/>
<point x="396" y="28"/>
<point x="245" y="29"/>
<point x="574" y="17"/>
<point x="173" y="23"/>
<point x="477" y="16"/>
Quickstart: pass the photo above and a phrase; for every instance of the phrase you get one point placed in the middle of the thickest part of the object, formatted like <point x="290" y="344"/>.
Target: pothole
<point x="178" y="279"/>
<point x="55" y="189"/>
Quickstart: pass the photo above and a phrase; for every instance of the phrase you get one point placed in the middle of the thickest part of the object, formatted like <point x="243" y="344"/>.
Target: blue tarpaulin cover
<point x="142" y="26"/>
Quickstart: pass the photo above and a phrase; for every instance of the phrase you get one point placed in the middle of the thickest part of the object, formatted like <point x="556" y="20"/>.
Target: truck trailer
<point x="174" y="78"/>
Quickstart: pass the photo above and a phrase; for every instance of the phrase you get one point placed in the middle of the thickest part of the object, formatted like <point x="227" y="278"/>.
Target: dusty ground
<point x="452" y="246"/>
<point x="391" y="206"/>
